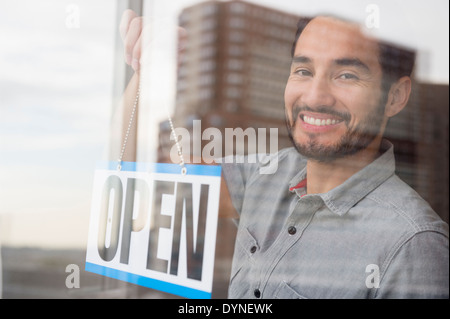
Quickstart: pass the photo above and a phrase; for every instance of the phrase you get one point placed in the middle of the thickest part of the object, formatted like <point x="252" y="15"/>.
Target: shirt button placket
<point x="256" y="292"/>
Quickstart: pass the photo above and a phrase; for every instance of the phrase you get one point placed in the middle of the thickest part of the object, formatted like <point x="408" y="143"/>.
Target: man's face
<point x="333" y="97"/>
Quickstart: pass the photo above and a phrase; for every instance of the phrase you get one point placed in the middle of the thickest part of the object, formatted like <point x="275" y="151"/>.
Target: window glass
<point x="221" y="86"/>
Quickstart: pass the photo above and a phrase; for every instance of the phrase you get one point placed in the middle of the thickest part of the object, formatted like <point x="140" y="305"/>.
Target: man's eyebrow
<point x="301" y="59"/>
<point x="341" y="62"/>
<point x="352" y="62"/>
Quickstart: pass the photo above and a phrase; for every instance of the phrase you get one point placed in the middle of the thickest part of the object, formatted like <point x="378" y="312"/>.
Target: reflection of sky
<point x="56" y="90"/>
<point x="55" y="82"/>
<point x="55" y="100"/>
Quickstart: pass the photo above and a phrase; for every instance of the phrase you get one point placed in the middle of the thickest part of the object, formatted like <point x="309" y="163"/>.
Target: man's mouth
<point x="322" y="120"/>
<point x="319" y="119"/>
<point x="319" y="122"/>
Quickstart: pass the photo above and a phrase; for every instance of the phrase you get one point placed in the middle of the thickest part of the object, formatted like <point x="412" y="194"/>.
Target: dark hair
<point x="395" y="61"/>
<point x="301" y="25"/>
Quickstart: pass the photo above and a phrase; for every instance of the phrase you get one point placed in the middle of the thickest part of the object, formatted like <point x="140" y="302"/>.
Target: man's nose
<point x="318" y="93"/>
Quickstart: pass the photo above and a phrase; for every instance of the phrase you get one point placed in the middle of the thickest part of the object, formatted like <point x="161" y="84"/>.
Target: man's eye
<point x="348" y="76"/>
<point x="303" y="72"/>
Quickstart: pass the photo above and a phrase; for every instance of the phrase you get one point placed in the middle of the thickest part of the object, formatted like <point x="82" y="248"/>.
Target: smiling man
<point x="335" y="104"/>
<point x="335" y="221"/>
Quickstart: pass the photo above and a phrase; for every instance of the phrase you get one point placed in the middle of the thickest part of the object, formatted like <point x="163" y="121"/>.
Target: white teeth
<point x="318" y="122"/>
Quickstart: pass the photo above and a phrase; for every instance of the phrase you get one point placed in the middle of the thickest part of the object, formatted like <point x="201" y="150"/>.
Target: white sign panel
<point x="152" y="226"/>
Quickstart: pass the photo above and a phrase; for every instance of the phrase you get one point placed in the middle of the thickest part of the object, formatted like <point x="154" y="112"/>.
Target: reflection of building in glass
<point x="420" y="136"/>
<point x="234" y="72"/>
<point x="232" y="75"/>
<point x="235" y="68"/>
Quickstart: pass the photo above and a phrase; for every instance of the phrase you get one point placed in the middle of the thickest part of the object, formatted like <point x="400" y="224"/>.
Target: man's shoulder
<point x="409" y="209"/>
<point x="285" y="155"/>
<point x="289" y="154"/>
<point x="263" y="165"/>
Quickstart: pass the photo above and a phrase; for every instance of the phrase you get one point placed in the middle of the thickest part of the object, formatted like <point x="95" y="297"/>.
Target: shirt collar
<point x="343" y="197"/>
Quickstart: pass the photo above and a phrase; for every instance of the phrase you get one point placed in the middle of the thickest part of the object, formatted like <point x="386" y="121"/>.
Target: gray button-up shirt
<point x="371" y="237"/>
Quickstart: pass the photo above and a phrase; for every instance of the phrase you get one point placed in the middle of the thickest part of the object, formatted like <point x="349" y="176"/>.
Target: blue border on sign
<point x="148" y="282"/>
<point x="167" y="168"/>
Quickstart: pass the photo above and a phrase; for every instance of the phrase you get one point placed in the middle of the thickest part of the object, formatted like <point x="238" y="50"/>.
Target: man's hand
<point x="136" y="36"/>
<point x="130" y="31"/>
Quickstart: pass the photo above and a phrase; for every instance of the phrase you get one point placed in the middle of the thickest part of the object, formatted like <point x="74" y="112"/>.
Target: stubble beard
<point x="353" y="141"/>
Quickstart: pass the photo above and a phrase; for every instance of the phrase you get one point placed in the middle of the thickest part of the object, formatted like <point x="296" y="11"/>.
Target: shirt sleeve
<point x="420" y="269"/>
<point x="236" y="176"/>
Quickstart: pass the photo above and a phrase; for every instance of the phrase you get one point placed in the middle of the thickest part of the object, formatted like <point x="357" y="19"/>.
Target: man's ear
<point x="398" y="96"/>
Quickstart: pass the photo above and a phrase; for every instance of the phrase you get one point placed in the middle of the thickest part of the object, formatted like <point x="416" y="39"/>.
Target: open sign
<point x="152" y="226"/>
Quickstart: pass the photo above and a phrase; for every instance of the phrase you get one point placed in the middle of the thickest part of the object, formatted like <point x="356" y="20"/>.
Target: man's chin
<point x="318" y="153"/>
<point x="328" y="152"/>
<point x="313" y="149"/>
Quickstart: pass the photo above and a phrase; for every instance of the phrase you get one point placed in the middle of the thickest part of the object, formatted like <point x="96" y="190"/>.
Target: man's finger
<point x="125" y="21"/>
<point x="131" y="39"/>
<point x="136" y="54"/>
